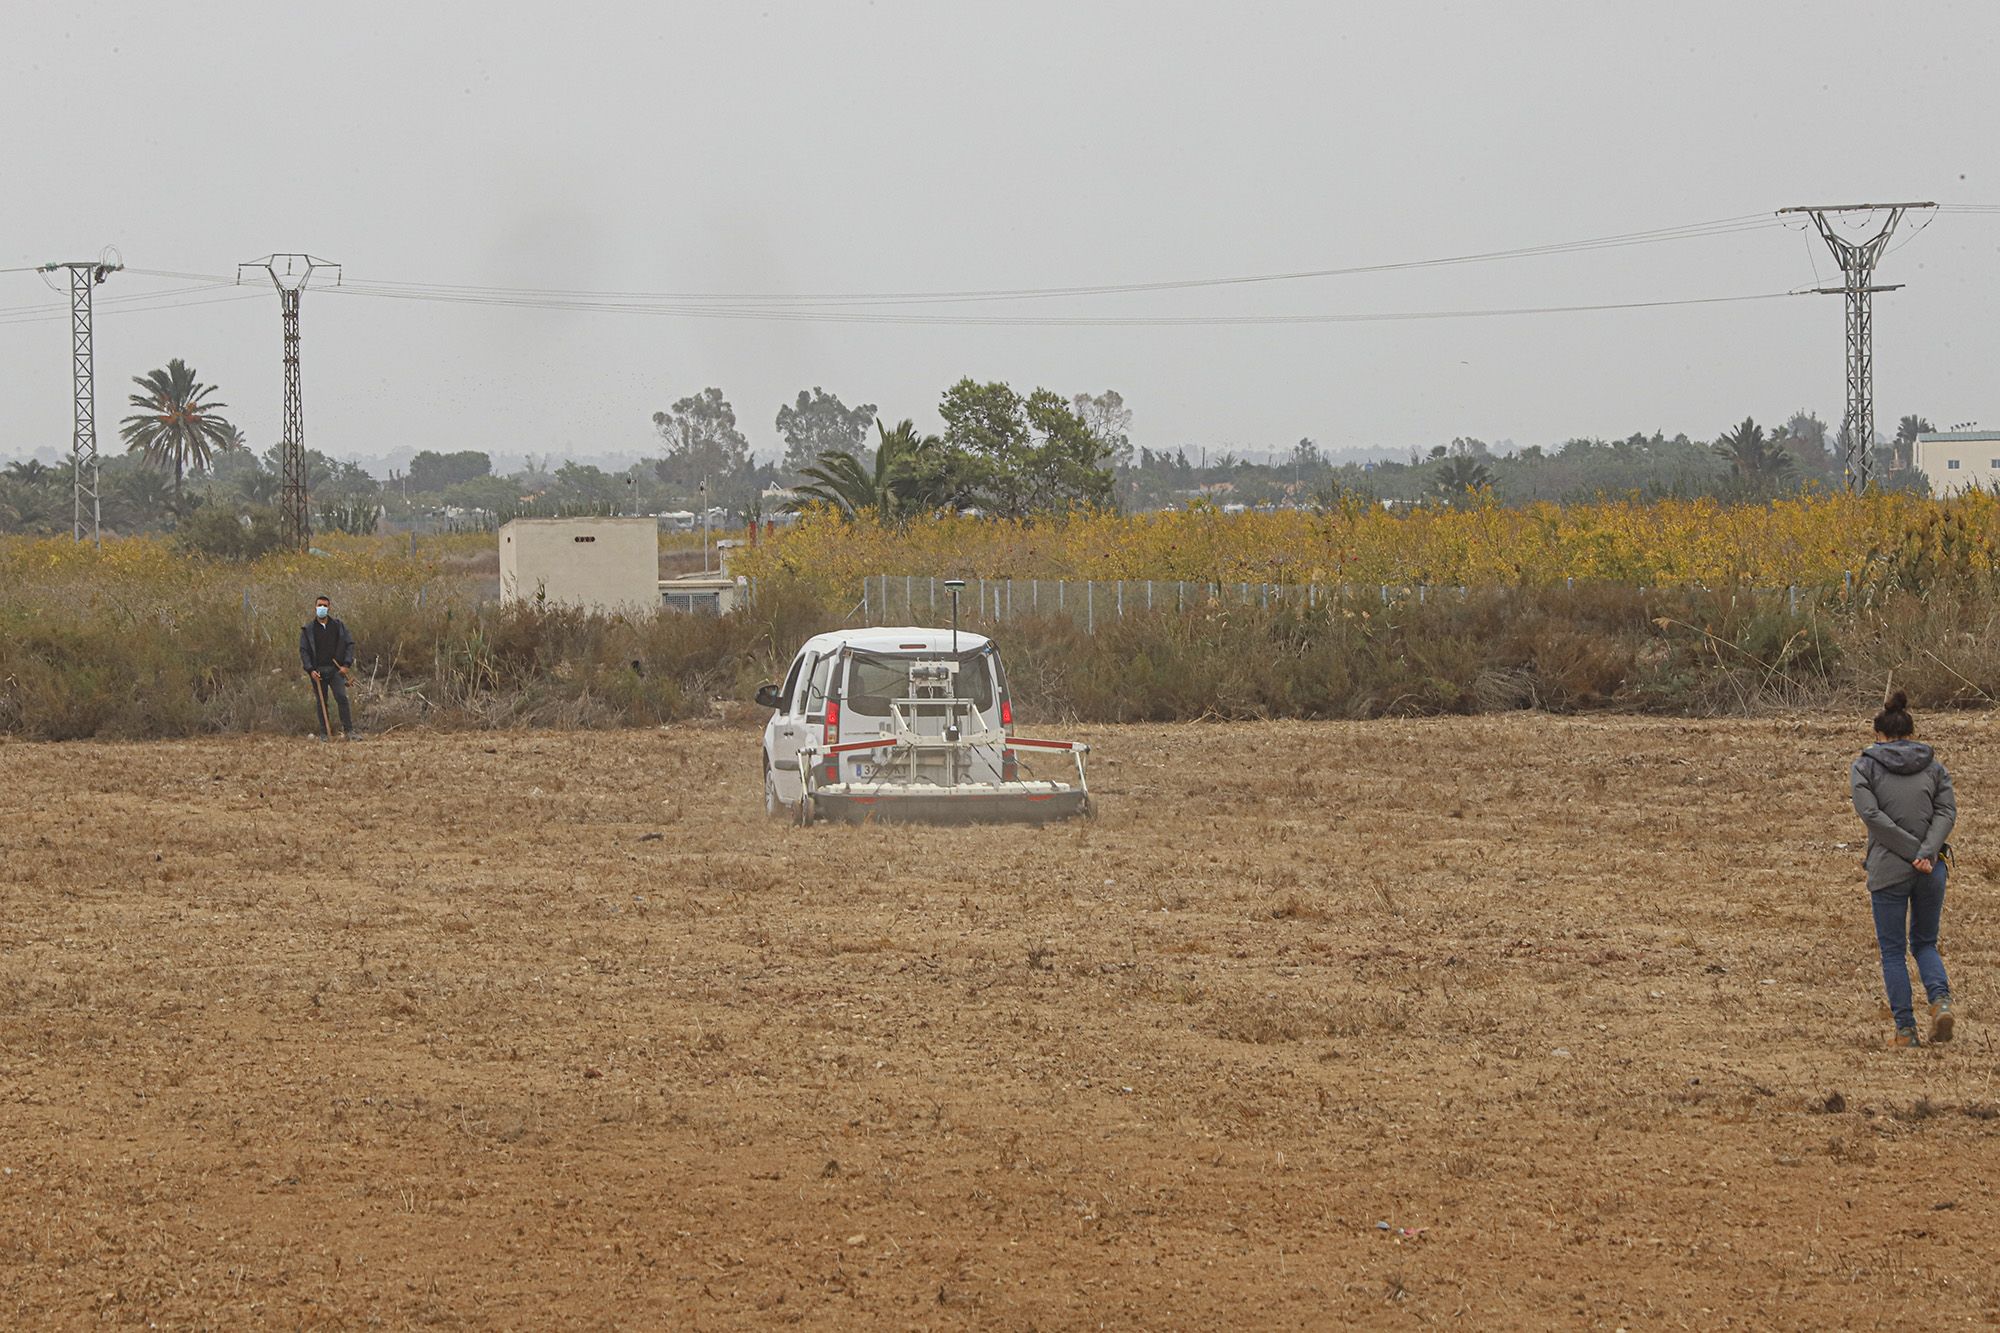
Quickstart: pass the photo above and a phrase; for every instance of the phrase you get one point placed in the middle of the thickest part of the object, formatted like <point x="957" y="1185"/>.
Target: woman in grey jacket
<point x="1903" y="795"/>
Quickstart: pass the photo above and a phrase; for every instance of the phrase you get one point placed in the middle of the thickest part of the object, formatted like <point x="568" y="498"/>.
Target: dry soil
<point x="1499" y="1022"/>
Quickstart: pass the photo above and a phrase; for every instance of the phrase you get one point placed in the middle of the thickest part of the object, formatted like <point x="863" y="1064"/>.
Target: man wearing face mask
<point x="326" y="651"/>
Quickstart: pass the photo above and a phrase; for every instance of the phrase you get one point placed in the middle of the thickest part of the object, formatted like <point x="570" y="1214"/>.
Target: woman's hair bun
<point x="1899" y="702"/>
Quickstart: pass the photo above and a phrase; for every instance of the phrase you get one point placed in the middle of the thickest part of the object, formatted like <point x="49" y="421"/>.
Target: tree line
<point x="1743" y="462"/>
<point x="187" y="469"/>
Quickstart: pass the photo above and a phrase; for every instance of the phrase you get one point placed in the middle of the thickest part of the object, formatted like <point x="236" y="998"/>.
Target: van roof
<point x="894" y="638"/>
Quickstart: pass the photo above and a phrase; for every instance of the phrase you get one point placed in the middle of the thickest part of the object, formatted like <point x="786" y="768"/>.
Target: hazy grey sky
<point x="895" y="147"/>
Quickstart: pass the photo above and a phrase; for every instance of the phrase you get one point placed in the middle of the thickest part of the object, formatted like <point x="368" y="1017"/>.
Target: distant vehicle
<point x="905" y="724"/>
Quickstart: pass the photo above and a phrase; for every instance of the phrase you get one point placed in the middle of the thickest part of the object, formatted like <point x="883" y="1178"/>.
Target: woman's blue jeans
<point x="1906" y="920"/>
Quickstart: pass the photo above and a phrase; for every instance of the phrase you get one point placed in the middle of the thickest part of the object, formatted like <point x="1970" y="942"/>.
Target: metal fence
<point x="916" y="599"/>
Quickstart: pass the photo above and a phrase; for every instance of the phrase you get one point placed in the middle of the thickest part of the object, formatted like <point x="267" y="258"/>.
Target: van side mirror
<point x="767" y="695"/>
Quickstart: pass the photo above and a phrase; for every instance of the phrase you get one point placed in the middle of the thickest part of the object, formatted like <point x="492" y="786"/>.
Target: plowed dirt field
<point x="556" y="1031"/>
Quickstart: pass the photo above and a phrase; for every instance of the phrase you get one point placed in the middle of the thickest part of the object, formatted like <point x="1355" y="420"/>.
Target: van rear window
<point x="873" y="679"/>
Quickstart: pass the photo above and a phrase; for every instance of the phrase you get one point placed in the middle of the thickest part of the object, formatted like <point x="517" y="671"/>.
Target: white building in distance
<point x="1958" y="460"/>
<point x="599" y="564"/>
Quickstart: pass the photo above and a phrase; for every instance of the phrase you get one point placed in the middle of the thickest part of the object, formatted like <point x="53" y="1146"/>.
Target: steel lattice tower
<point x="290" y="274"/>
<point x="1857" y="260"/>
<point x="83" y="276"/>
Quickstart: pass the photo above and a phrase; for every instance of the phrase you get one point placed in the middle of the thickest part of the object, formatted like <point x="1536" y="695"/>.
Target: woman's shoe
<point x="1905" y="1037"/>
<point x="1941" y="1022"/>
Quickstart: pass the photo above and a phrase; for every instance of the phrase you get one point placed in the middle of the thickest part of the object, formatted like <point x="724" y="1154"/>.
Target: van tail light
<point x="1010" y="768"/>
<point x="831" y="734"/>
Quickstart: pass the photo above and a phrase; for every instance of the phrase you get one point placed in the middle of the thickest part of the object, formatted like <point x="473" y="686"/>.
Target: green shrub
<point x="229" y="531"/>
<point x="354" y="517"/>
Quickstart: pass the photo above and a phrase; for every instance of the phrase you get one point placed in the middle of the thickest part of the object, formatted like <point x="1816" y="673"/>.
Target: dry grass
<point x="136" y="642"/>
<point x="554" y="1030"/>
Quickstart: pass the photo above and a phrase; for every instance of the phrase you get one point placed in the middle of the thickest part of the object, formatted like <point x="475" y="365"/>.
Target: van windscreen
<point x="873" y="679"/>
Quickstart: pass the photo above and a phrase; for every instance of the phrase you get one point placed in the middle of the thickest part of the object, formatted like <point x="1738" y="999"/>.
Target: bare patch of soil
<point x="556" y="1031"/>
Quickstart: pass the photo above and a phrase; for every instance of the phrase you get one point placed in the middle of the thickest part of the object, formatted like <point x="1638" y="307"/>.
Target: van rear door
<point x="870" y="681"/>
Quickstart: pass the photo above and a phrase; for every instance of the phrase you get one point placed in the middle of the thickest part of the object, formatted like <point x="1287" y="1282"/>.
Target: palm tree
<point x="136" y="497"/>
<point x="31" y="497"/>
<point x="838" y="479"/>
<point x="1756" y="461"/>
<point x="853" y="487"/>
<point x="1907" y="431"/>
<point x="31" y="472"/>
<point x="179" y="424"/>
<point x="932" y="474"/>
<point x="1459" y="476"/>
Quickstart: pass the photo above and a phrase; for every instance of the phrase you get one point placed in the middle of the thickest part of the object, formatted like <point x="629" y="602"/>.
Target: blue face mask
<point x="320" y="611"/>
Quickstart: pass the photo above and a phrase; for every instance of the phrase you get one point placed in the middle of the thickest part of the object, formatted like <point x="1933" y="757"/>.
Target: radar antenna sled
<point x="926" y="764"/>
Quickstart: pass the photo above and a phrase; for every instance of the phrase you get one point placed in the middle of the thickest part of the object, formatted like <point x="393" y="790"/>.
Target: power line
<point x="1691" y="232"/>
<point x="830" y="307"/>
<point x="1922" y="227"/>
<point x="836" y="307"/>
<point x="1687" y="231"/>
<point x="530" y="299"/>
<point x="1654" y="236"/>
<point x="136" y="309"/>
<point x="186" y="277"/>
<point x="47" y="311"/>
<point x="782" y="315"/>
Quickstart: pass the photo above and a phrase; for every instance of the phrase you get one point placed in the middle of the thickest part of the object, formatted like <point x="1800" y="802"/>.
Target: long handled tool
<point x="319" y="694"/>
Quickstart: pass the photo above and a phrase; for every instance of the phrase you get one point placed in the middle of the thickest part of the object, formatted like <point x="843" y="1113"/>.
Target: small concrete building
<point x="599" y="564"/>
<point x="1959" y="460"/>
<point x="711" y="593"/>
<point x="702" y="594"/>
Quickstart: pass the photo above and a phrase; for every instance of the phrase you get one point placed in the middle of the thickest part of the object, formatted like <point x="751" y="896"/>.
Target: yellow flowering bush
<point x="1812" y="540"/>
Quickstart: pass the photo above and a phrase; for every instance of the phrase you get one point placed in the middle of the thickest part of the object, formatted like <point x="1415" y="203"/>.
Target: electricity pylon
<point x="1857" y="260"/>
<point x="290" y="274"/>
<point x="84" y="275"/>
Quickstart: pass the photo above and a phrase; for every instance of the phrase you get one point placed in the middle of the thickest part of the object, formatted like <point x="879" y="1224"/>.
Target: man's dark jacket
<point x="314" y="643"/>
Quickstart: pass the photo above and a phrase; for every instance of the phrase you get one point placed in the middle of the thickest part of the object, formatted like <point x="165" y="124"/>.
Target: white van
<point x="902" y="722"/>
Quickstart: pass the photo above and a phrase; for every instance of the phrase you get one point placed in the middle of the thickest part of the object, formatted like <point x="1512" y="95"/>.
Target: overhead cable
<point x="135" y="303"/>
<point x="1689" y="231"/>
<point x="808" y="316"/>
